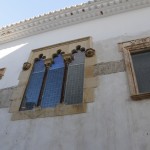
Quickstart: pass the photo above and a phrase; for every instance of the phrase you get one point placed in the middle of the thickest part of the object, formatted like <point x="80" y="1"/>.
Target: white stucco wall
<point x="112" y="122"/>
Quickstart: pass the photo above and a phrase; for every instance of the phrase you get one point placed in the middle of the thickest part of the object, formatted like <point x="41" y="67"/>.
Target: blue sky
<point x="12" y="11"/>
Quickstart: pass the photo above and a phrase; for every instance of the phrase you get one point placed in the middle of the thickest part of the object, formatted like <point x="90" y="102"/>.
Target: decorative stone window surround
<point x="128" y="48"/>
<point x="2" y="71"/>
<point x="90" y="82"/>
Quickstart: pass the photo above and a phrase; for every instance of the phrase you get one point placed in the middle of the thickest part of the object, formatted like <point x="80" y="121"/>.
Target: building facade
<point x="114" y="112"/>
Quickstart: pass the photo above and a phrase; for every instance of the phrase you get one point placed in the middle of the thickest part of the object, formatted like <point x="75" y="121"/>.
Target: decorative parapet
<point x="69" y="16"/>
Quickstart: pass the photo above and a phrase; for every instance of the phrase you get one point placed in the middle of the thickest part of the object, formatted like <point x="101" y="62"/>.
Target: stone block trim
<point x="109" y="67"/>
<point x="88" y="95"/>
<point x="5" y="97"/>
<point x="60" y="110"/>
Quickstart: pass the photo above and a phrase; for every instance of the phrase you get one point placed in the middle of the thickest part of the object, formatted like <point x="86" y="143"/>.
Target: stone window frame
<point x="90" y="82"/>
<point x="2" y="71"/>
<point x="128" y="48"/>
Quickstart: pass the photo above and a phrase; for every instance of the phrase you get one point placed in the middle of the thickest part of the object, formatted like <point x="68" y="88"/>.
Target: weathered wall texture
<point x="5" y="97"/>
<point x="112" y="122"/>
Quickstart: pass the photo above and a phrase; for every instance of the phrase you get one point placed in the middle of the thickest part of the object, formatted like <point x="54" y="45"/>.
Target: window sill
<point x="141" y="96"/>
<point x="60" y="110"/>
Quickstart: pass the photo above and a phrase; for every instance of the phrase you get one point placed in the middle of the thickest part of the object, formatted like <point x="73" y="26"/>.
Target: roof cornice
<point x="69" y="16"/>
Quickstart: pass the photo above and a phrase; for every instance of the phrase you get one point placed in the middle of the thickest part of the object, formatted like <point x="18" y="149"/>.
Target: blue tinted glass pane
<point x="75" y="80"/>
<point x="53" y="87"/>
<point x="79" y="58"/>
<point x="58" y="62"/>
<point x="34" y="86"/>
<point x="39" y="66"/>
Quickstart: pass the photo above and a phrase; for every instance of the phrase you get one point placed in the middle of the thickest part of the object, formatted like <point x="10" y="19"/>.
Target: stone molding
<point x="68" y="16"/>
<point x="109" y="67"/>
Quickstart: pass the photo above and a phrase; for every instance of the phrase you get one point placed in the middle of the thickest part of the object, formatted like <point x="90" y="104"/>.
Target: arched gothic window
<point x="60" y="81"/>
<point x="56" y="83"/>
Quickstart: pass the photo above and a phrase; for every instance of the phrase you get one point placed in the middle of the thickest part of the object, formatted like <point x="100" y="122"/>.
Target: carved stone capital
<point x="68" y="58"/>
<point x="89" y="52"/>
<point x="26" y="66"/>
<point x="48" y="62"/>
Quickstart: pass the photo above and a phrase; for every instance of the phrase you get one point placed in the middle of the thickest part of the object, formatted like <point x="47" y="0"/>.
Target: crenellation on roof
<point x="68" y="16"/>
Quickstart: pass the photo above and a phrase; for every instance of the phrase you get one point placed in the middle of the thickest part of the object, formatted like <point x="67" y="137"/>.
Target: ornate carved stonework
<point x="26" y="66"/>
<point x="68" y="58"/>
<point x="137" y="44"/>
<point x="48" y="62"/>
<point x="89" y="52"/>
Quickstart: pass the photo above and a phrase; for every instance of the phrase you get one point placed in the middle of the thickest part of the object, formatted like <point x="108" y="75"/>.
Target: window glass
<point x="75" y="79"/>
<point x="34" y="86"/>
<point x="141" y="64"/>
<point x="54" y="81"/>
<point x="60" y="82"/>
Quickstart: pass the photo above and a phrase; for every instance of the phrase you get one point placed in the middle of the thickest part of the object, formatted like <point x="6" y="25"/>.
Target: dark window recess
<point x="141" y="64"/>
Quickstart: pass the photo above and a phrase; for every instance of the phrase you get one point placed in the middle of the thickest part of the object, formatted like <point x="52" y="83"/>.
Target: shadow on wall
<point x="11" y="58"/>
